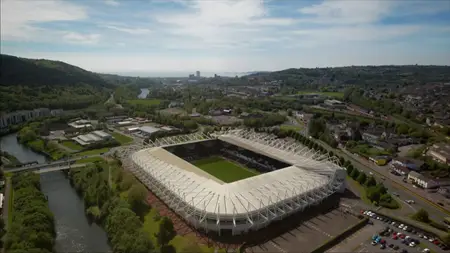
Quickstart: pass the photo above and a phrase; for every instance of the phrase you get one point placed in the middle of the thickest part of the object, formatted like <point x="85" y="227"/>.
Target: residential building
<point x="370" y="137"/>
<point x="18" y="117"/>
<point x="401" y="170"/>
<point x="408" y="163"/>
<point x="440" y="152"/>
<point x="56" y="112"/>
<point x="197" y="74"/>
<point x="421" y="180"/>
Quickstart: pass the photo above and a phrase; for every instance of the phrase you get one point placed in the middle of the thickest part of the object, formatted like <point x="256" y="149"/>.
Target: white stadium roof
<point x="232" y="198"/>
<point x="249" y="203"/>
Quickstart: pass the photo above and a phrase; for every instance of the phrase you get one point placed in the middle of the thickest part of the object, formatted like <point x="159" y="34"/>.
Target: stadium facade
<point x="245" y="205"/>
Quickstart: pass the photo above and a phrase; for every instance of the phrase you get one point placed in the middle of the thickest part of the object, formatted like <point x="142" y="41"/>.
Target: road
<point x="392" y="186"/>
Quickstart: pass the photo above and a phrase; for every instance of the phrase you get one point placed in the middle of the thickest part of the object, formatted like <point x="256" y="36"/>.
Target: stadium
<point x="236" y="181"/>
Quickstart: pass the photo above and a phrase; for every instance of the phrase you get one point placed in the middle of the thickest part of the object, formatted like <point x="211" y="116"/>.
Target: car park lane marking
<point x="277" y="247"/>
<point x="317" y="229"/>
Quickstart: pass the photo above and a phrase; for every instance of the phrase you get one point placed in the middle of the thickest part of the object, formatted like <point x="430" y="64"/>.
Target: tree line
<point x="32" y="229"/>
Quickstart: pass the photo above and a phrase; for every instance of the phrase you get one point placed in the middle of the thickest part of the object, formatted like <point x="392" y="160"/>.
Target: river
<point x="144" y="93"/>
<point x="74" y="233"/>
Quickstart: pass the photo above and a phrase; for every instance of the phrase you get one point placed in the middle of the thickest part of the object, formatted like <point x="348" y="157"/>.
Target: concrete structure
<point x="197" y="74"/>
<point x="401" y="170"/>
<point x="82" y="123"/>
<point x="132" y="129"/>
<point x="408" y="163"/>
<point x="148" y="130"/>
<point x="125" y="123"/>
<point x="57" y="112"/>
<point x="247" y="204"/>
<point x="333" y="103"/>
<point x="421" y="180"/>
<point x="18" y="117"/>
<point x="93" y="137"/>
<point x="440" y="152"/>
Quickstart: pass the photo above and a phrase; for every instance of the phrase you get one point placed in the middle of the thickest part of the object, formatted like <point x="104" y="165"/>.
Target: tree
<point x="361" y="178"/>
<point x="371" y="181"/>
<point x="354" y="174"/>
<point x="137" y="195"/>
<point x="166" y="232"/>
<point x="421" y="216"/>
<point x="349" y="170"/>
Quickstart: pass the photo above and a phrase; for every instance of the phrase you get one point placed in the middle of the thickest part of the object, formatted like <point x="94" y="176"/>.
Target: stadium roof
<point x="242" y="197"/>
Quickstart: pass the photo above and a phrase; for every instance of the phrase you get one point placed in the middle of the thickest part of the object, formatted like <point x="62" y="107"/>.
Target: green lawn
<point x="93" y="152"/>
<point x="339" y="95"/>
<point x="123" y="139"/>
<point x="148" y="102"/>
<point x="72" y="145"/>
<point x="90" y="160"/>
<point x="365" y="149"/>
<point x="224" y="170"/>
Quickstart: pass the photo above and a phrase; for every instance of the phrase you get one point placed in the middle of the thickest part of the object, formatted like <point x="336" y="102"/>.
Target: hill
<point x="141" y="82"/>
<point x="32" y="83"/>
<point x="388" y="76"/>
<point x="40" y="72"/>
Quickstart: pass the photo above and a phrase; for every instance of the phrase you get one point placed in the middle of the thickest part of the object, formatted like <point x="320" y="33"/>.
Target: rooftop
<point x="149" y="129"/>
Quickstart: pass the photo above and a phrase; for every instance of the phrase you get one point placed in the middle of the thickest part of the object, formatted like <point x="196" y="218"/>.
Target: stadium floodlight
<point x="244" y="205"/>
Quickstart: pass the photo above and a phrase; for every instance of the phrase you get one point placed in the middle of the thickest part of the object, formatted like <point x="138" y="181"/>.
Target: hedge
<point x="337" y="239"/>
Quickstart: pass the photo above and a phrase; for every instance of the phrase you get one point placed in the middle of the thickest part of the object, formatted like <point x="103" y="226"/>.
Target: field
<point x="148" y="102"/>
<point x="123" y="139"/>
<point x="72" y="145"/>
<point x="339" y="95"/>
<point x="93" y="152"/>
<point x="224" y="170"/>
<point x="90" y="160"/>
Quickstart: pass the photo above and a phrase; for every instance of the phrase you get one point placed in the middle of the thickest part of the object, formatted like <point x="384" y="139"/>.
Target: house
<point x="401" y="170"/>
<point x="370" y="137"/>
<point x="408" y="163"/>
<point x="82" y="123"/>
<point x="421" y="180"/>
<point x="440" y="152"/>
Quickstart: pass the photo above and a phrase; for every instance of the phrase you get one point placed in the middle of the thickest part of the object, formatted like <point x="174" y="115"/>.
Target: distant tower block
<point x="197" y="73"/>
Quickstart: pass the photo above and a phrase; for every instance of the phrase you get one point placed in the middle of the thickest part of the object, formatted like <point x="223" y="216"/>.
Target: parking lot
<point x="397" y="239"/>
<point x="309" y="234"/>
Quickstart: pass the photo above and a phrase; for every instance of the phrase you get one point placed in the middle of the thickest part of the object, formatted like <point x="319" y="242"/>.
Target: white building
<point x="148" y="130"/>
<point x="421" y="180"/>
<point x="244" y="205"/>
<point x="93" y="137"/>
<point x="82" y="123"/>
<point x="18" y="117"/>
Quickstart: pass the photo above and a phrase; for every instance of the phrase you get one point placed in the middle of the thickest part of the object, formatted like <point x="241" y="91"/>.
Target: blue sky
<point x="226" y="35"/>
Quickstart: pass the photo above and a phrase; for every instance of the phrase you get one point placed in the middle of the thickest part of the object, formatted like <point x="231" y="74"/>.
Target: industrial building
<point x="440" y="152"/>
<point x="148" y="130"/>
<point x="244" y="205"/>
<point x="93" y="137"/>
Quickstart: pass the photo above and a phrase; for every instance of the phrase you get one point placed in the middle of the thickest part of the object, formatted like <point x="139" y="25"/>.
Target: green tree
<point x="371" y="181"/>
<point x="361" y="178"/>
<point x="137" y="195"/>
<point x="166" y="232"/>
<point x="421" y="216"/>
<point x="354" y="174"/>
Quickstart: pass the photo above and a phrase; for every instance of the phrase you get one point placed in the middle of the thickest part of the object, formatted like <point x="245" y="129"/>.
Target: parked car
<point x="374" y="243"/>
<point x="383" y="246"/>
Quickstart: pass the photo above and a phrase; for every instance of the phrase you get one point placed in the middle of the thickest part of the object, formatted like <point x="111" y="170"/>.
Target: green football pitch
<point x="224" y="170"/>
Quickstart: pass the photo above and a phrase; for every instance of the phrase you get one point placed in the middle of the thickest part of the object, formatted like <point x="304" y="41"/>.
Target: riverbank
<point x="33" y="225"/>
<point x="113" y="196"/>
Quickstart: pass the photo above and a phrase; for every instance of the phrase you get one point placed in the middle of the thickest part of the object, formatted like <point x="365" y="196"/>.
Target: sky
<point x="168" y="36"/>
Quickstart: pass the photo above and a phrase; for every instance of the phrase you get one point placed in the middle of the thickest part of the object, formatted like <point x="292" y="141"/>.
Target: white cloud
<point x="135" y="31"/>
<point x="220" y="22"/>
<point x="347" y="12"/>
<point x="19" y="18"/>
<point x="112" y="2"/>
<point x="84" y="39"/>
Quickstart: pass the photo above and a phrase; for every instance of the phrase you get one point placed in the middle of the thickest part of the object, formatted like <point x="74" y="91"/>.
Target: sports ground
<point x="224" y="170"/>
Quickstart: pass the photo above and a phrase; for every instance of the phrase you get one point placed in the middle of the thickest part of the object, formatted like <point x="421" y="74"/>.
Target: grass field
<point x="330" y="94"/>
<point x="72" y="145"/>
<point x="224" y="170"/>
<point x="90" y="160"/>
<point x="123" y="139"/>
<point x="93" y="152"/>
<point x="148" y="102"/>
